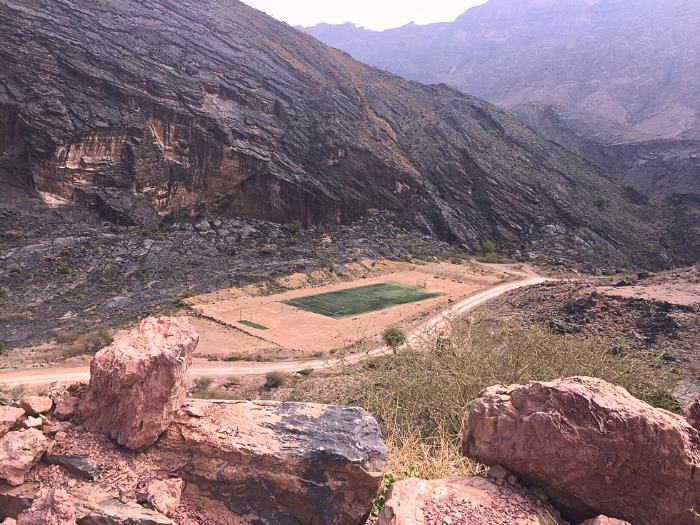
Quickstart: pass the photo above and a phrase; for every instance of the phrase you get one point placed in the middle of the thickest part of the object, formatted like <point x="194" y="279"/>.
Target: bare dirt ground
<point x="656" y="314"/>
<point x="679" y="287"/>
<point x="231" y="341"/>
<point x="297" y="333"/>
<point x="223" y="373"/>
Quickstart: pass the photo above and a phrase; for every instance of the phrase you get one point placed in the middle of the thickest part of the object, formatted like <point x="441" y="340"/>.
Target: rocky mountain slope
<point x="127" y="107"/>
<point x="613" y="80"/>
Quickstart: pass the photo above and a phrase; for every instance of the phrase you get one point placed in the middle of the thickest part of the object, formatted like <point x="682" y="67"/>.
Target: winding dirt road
<point x="46" y="376"/>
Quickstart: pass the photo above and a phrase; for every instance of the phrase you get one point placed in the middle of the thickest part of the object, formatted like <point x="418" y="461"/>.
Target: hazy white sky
<point x="372" y="14"/>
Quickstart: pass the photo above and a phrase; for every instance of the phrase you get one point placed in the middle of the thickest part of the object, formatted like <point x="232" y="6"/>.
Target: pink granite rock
<point x="19" y="451"/>
<point x="35" y="405"/>
<point x="138" y="382"/>
<point x="165" y="495"/>
<point x="66" y="408"/>
<point x="604" y="520"/>
<point x="592" y="448"/>
<point x="464" y="501"/>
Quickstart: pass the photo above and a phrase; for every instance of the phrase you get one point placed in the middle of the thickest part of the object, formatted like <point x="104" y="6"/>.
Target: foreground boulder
<point x="138" y="382"/>
<point x="52" y="508"/>
<point x="279" y="463"/>
<point x="9" y="417"/>
<point x="592" y="448"/>
<point x="19" y="452"/>
<point x="464" y="501"/>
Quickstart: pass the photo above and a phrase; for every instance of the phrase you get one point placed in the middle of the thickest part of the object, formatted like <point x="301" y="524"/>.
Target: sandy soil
<point x="297" y="332"/>
<point x="680" y="287"/>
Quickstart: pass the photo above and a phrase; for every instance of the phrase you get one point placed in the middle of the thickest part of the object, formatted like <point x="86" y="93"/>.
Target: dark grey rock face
<point x="15" y="500"/>
<point x="123" y="105"/>
<point x="279" y="463"/>
<point x="79" y="466"/>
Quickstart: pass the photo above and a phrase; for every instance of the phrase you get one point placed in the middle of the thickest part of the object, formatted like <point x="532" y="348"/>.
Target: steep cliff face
<point x="122" y="105"/>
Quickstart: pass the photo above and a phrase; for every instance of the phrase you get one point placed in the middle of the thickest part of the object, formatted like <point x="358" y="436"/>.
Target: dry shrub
<point x="276" y="379"/>
<point x="85" y="344"/>
<point x="420" y="396"/>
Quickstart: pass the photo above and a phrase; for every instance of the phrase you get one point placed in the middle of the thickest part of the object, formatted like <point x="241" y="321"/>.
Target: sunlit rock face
<point x="215" y="106"/>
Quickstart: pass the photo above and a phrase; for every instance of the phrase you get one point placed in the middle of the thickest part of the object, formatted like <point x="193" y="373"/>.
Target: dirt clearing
<point x="292" y="331"/>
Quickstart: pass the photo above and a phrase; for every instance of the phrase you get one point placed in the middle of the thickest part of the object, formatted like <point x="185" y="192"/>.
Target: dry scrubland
<point x="421" y="394"/>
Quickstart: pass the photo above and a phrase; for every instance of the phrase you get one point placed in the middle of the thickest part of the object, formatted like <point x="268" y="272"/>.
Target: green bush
<point x="420" y="396"/>
<point x="487" y="248"/>
<point x="202" y="383"/>
<point x="426" y="391"/>
<point x="294" y="226"/>
<point x="2" y="348"/>
<point x="202" y="389"/>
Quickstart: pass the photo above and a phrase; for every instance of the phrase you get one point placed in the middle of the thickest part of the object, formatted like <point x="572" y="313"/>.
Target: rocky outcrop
<point x="52" y="508"/>
<point x="279" y="462"/>
<point x="19" y="451"/>
<point x="464" y="501"/>
<point x="138" y="382"/>
<point x="9" y="417"/>
<point x="591" y="447"/>
<point x="289" y="130"/>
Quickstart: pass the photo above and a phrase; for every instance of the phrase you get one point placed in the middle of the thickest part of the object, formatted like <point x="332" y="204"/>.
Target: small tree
<point x="394" y="337"/>
<point x="487" y="248"/>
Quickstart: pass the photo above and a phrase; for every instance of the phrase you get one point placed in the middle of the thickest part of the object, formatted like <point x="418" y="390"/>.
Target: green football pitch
<point x="360" y="300"/>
